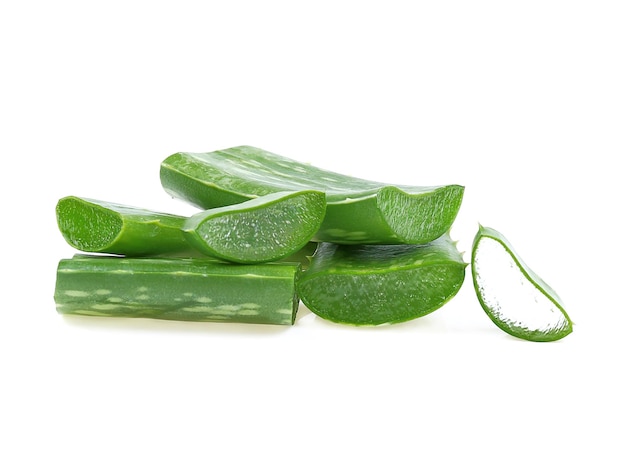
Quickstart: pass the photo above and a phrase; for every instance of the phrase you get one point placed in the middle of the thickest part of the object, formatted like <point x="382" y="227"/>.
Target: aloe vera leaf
<point x="184" y="289"/>
<point x="103" y="227"/>
<point x="381" y="284"/>
<point x="358" y="211"/>
<point x="516" y="299"/>
<point x="264" y="229"/>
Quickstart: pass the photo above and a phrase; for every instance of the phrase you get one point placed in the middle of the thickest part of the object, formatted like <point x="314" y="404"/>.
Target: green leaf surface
<point x="358" y="211"/>
<point x="103" y="227"/>
<point x="381" y="284"/>
<point x="264" y="229"/>
<point x="183" y="289"/>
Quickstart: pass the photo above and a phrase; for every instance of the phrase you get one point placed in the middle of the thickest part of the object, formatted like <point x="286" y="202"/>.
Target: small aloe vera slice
<point x="358" y="211"/>
<point x="516" y="299"/>
<point x="103" y="227"/>
<point x="184" y="289"/>
<point x="264" y="229"/>
<point x="381" y="284"/>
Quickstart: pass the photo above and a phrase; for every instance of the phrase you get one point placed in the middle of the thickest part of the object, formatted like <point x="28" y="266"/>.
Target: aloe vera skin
<point x="509" y="326"/>
<point x="358" y="211"/>
<point x="177" y="289"/>
<point x="263" y="229"/>
<point x="381" y="284"/>
<point x="103" y="227"/>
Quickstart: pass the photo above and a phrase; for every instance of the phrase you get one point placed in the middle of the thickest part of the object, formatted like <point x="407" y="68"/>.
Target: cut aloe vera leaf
<point x="358" y="211"/>
<point x="516" y="299"/>
<point x="381" y="284"/>
<point x="264" y="229"/>
<point x="177" y="289"/>
<point x="103" y="227"/>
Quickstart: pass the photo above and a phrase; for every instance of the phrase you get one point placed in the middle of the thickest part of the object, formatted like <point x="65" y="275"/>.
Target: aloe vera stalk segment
<point x="381" y="284"/>
<point x="184" y="289"/>
<point x="516" y="299"/>
<point x="103" y="227"/>
<point x="264" y="229"/>
<point x="358" y="211"/>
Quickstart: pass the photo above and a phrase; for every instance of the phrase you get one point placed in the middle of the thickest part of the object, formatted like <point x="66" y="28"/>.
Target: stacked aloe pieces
<point x="378" y="253"/>
<point x="270" y="232"/>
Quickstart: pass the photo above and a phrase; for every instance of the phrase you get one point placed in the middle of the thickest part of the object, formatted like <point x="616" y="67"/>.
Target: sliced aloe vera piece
<point x="358" y="211"/>
<point x="177" y="289"/>
<point x="103" y="227"/>
<point x="264" y="229"/>
<point x="380" y="284"/>
<point x="516" y="299"/>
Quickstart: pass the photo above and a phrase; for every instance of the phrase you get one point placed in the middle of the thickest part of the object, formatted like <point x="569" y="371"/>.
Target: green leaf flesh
<point x="104" y="227"/>
<point x="381" y="284"/>
<point x="358" y="211"/>
<point x="263" y="229"/>
<point x="514" y="297"/>
<point x="177" y="289"/>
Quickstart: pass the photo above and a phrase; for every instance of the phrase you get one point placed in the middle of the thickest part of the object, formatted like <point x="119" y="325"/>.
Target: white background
<point x="522" y="102"/>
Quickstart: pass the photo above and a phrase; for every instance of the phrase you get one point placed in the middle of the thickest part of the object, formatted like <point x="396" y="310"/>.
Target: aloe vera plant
<point x="184" y="289"/>
<point x="264" y="229"/>
<point x="103" y="227"/>
<point x="380" y="284"/>
<point x="516" y="299"/>
<point x="358" y="211"/>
